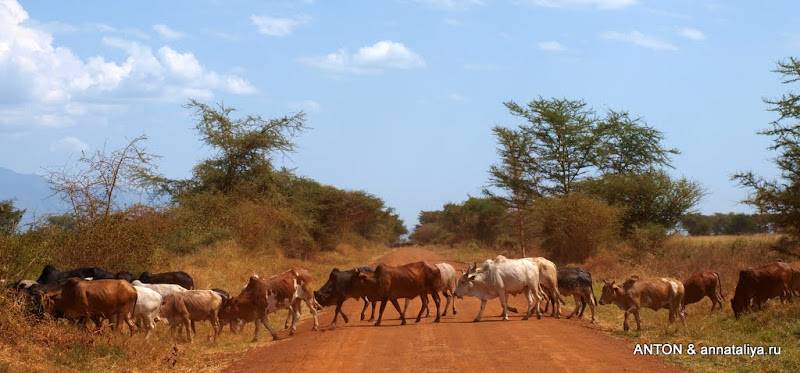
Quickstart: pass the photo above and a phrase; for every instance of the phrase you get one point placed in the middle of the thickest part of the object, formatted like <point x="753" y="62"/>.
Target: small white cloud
<point x="69" y="143"/>
<point x="308" y="106"/>
<point x="450" y="4"/>
<point x="552" y="46"/>
<point x="168" y="33"/>
<point x="274" y="26"/>
<point x="599" y="4"/>
<point x="692" y="34"/>
<point x="640" y="39"/>
<point x="456" y="97"/>
<point x="371" y="59"/>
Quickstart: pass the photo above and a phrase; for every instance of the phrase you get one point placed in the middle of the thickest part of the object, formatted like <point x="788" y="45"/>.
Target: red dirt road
<point x="456" y="343"/>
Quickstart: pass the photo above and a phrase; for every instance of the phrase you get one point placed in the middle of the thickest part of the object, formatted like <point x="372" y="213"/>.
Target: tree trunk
<point x="521" y="227"/>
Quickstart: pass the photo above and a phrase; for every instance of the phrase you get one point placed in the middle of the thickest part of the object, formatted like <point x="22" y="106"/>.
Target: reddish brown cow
<point x="636" y="293"/>
<point x="412" y="280"/>
<point x="760" y="284"/>
<point x="703" y="284"/>
<point x="263" y="296"/>
<point x="95" y="300"/>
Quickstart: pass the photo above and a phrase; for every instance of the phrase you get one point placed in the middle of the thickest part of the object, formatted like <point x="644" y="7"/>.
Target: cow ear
<point x="613" y="282"/>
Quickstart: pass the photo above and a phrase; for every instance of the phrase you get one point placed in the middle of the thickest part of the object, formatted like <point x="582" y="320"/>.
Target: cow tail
<point x="719" y="284"/>
<point x="594" y="298"/>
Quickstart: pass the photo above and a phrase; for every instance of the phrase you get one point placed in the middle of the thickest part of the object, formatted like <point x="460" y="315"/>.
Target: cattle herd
<point x="95" y="294"/>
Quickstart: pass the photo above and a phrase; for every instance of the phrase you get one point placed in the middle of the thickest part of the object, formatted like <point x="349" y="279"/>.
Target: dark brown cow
<point x="391" y="283"/>
<point x="703" y="284"/>
<point x="760" y="284"/>
<point x="95" y="300"/>
<point x="263" y="296"/>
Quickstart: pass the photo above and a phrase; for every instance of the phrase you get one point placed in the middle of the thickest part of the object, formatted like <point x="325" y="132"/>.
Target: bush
<point x="575" y="227"/>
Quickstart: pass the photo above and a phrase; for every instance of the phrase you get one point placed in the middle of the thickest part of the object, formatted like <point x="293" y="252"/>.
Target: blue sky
<point x="401" y="94"/>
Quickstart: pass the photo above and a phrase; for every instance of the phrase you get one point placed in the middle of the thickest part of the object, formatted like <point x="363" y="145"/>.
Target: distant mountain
<point x="28" y="192"/>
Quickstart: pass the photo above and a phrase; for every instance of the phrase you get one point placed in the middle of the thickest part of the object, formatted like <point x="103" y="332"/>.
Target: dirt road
<point x="455" y="344"/>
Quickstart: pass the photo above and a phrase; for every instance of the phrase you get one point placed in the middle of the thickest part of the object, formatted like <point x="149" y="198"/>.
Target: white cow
<point x="148" y="303"/>
<point x="499" y="278"/>
<point x="448" y="288"/>
<point x="163" y="290"/>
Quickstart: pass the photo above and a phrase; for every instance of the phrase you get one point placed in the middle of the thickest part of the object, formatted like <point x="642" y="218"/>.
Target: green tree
<point x="779" y="200"/>
<point x="10" y="217"/>
<point x="244" y="148"/>
<point x="517" y="176"/>
<point x="563" y="141"/>
<point x="628" y="145"/>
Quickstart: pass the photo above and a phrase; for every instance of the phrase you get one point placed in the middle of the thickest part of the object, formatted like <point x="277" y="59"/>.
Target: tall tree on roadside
<point x="779" y="200"/>
<point x="517" y="176"/>
<point x="10" y="217"/>
<point x="244" y="146"/>
<point x="562" y="140"/>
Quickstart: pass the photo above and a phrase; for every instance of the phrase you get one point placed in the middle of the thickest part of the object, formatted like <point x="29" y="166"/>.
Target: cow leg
<point x="536" y="301"/>
<point x="577" y="306"/>
<point x="257" y="330"/>
<point x="480" y="313"/>
<point x="380" y="314"/>
<point x="591" y="306"/>
<point x="310" y="303"/>
<point x="186" y="324"/>
<point x="216" y="326"/>
<point x="265" y="321"/>
<point x="447" y="296"/>
<point x="529" y="297"/>
<point x="504" y="303"/>
<point x="424" y="298"/>
<point x="339" y="311"/>
<point x="453" y="296"/>
<point x="638" y="320"/>
<point x="437" y="301"/>
<point x="625" y="326"/>
<point x="295" y="312"/>
<point x="364" y="310"/>
<point x="288" y="316"/>
<point x="405" y="308"/>
<point x="372" y="315"/>
<point x="427" y="306"/>
<point x="193" y="329"/>
<point x="129" y="321"/>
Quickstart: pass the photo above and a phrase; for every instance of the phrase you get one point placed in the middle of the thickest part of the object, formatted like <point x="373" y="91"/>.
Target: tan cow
<point x="635" y="294"/>
<point x="703" y="284"/>
<point x="179" y="309"/>
<point x="548" y="281"/>
<point x="95" y="300"/>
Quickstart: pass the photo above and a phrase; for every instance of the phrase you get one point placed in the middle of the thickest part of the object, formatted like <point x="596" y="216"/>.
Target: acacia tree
<point x="10" y="217"/>
<point x="627" y="145"/>
<point x="244" y="147"/>
<point x="517" y="175"/>
<point x="562" y="141"/>
<point x="779" y="200"/>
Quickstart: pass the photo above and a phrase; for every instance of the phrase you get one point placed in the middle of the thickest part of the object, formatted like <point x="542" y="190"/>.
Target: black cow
<point x="178" y="278"/>
<point x="578" y="283"/>
<point x="51" y="274"/>
<point x="338" y="289"/>
<point x="125" y="275"/>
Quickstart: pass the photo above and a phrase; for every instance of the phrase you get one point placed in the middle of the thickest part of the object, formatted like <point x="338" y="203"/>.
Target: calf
<point x="338" y="288"/>
<point x="148" y="304"/>
<point x="51" y="274"/>
<point x="703" y="284"/>
<point x="181" y="308"/>
<point x="636" y="294"/>
<point x="95" y="300"/>
<point x="578" y="283"/>
<point x="407" y="281"/>
<point x="760" y="284"/>
<point x="178" y="278"/>
<point x="497" y="279"/>
<point x="263" y="296"/>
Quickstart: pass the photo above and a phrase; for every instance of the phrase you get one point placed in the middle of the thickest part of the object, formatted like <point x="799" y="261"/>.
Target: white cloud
<point x="640" y="39"/>
<point x="692" y="34"/>
<point x="450" y="4"/>
<point x="456" y="97"/>
<point x="307" y="106"/>
<point x="168" y="33"/>
<point x="370" y="59"/>
<point x="44" y="83"/>
<point x="274" y="26"/>
<point x="600" y="4"/>
<point x="69" y="143"/>
<point x="552" y="46"/>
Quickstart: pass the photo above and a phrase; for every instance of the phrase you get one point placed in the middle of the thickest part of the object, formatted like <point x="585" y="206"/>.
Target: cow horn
<point x="356" y="269"/>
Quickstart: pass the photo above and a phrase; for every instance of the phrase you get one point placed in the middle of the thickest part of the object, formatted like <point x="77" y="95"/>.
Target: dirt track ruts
<point x="548" y="344"/>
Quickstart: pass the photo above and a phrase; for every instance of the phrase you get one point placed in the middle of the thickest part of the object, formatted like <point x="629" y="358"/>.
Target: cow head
<point x="324" y="296"/>
<point x="145" y="277"/>
<point x="465" y="282"/>
<point x="611" y="292"/>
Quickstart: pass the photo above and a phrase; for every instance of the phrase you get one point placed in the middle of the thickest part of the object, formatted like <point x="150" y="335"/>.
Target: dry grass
<point x="27" y="345"/>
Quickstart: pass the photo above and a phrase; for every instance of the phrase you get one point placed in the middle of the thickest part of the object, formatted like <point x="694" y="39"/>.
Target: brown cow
<point x="703" y="284"/>
<point x="637" y="293"/>
<point x="760" y="284"/>
<point x="96" y="300"/>
<point x="407" y="281"/>
<point x="179" y="309"/>
<point x="263" y="296"/>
